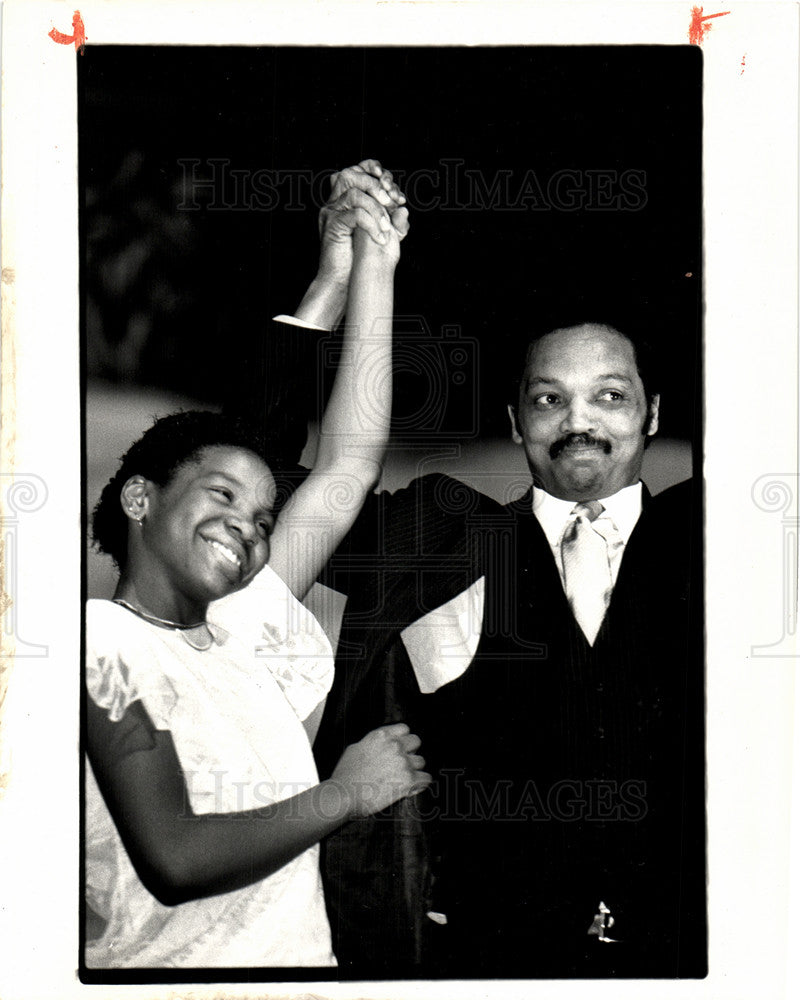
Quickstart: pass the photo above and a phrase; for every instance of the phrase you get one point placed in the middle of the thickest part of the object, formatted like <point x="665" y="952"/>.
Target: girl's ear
<point x="135" y="498"/>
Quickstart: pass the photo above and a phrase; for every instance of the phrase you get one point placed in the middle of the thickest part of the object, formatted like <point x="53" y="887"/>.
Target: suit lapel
<point x="630" y="563"/>
<point x="527" y="580"/>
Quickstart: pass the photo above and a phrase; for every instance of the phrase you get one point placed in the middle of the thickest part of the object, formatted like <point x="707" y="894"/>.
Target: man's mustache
<point x="579" y="441"/>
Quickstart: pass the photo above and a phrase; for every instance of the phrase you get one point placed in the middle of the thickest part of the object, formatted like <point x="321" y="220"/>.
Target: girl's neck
<point x="168" y="608"/>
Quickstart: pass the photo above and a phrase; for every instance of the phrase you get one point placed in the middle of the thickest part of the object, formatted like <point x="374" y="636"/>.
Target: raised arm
<point x="362" y="224"/>
<point x="363" y="196"/>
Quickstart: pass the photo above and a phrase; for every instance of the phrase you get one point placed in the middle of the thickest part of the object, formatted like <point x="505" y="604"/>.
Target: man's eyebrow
<point x="615" y="375"/>
<point x="541" y="380"/>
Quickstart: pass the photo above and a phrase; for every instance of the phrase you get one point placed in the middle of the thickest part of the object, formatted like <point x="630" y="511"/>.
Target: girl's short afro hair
<point x="160" y="451"/>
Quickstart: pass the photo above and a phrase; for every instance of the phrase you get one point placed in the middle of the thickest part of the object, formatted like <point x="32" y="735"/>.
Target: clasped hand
<point x="364" y="201"/>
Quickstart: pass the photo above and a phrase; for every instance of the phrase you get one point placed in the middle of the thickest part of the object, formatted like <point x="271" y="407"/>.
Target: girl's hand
<point x="363" y="198"/>
<point x="380" y="769"/>
<point x="386" y="251"/>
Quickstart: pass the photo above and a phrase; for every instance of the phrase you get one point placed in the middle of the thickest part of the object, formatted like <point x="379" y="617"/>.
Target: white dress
<point x="234" y="712"/>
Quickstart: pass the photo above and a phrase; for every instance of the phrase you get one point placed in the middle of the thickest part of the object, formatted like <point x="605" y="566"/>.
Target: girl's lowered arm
<point x="180" y="855"/>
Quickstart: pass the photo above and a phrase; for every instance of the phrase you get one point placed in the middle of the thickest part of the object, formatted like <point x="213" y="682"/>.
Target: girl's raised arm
<point x="365" y="219"/>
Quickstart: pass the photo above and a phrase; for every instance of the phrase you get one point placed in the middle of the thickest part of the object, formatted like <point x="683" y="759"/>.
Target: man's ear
<point x="652" y="416"/>
<point x="134" y="498"/>
<point x="516" y="437"/>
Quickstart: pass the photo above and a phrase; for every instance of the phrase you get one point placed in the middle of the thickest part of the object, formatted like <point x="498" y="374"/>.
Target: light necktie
<point x="587" y="573"/>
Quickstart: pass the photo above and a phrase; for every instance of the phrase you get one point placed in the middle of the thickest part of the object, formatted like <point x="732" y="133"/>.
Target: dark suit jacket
<point x="565" y="774"/>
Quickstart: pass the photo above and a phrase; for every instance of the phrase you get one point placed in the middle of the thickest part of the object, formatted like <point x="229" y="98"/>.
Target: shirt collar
<point x="623" y="508"/>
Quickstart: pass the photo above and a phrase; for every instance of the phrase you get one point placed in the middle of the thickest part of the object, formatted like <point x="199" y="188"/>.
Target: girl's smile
<point x="205" y="534"/>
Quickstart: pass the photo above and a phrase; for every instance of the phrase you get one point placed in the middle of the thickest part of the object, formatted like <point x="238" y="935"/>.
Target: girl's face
<point x="206" y="532"/>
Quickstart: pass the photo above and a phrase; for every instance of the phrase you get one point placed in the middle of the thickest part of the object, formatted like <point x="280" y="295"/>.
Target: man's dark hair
<point x="643" y="353"/>
<point x="637" y="320"/>
<point x="170" y="443"/>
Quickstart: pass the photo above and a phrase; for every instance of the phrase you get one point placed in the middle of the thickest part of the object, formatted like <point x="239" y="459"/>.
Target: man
<point x="549" y="654"/>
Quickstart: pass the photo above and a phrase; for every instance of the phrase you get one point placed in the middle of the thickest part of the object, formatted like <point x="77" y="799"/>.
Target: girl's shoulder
<point x="111" y="628"/>
<point x="124" y="663"/>
<point x="103" y="614"/>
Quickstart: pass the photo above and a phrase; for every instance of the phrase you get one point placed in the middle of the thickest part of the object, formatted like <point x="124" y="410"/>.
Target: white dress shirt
<point x="622" y="509"/>
<point x="294" y="321"/>
<point x="442" y="644"/>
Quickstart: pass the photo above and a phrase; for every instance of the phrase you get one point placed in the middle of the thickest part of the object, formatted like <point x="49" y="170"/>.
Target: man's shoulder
<point x="670" y="524"/>
<point x="434" y="513"/>
<point x="439" y="494"/>
<point x="678" y="501"/>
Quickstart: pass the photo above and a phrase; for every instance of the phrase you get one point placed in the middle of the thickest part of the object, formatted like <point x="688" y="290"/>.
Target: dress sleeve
<point x="122" y="669"/>
<point x="276" y="390"/>
<point x="279" y="633"/>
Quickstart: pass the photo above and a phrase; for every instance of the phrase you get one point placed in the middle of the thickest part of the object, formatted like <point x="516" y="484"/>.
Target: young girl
<point x="203" y="807"/>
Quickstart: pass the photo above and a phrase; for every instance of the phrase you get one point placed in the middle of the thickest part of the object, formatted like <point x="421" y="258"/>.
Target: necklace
<point x="198" y="635"/>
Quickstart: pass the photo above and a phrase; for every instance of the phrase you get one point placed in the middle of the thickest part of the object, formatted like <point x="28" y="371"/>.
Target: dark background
<point x="177" y="285"/>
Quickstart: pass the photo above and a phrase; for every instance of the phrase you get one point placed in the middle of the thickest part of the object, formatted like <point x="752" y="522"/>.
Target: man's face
<point x="582" y="416"/>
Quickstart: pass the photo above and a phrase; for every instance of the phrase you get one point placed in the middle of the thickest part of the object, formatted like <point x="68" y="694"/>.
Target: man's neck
<point x="623" y="507"/>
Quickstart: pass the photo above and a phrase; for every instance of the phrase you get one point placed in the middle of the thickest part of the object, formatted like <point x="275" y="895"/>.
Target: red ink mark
<point x="698" y="29"/>
<point x="78" y="35"/>
<point x="743" y="64"/>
